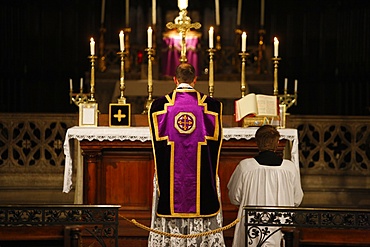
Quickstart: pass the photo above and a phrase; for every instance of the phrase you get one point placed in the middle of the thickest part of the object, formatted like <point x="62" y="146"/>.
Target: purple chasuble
<point x="186" y="124"/>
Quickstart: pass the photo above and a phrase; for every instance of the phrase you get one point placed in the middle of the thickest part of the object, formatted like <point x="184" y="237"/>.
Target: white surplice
<point x="253" y="184"/>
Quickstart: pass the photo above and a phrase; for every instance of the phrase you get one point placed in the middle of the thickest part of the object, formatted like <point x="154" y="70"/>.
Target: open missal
<point x="255" y="105"/>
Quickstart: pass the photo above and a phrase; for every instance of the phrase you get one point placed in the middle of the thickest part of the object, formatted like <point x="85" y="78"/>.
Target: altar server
<point x="265" y="180"/>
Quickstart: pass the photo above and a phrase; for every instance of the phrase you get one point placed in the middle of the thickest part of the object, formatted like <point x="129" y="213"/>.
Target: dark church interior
<point x="45" y="57"/>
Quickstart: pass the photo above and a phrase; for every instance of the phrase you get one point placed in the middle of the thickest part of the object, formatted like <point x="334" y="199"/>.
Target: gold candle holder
<point x="151" y="53"/>
<point x="276" y="65"/>
<point x="92" y="78"/>
<point x="122" y="99"/>
<point x="78" y="98"/>
<point x="285" y="102"/>
<point x="243" y="87"/>
<point x="243" y="82"/>
<point x="211" y="82"/>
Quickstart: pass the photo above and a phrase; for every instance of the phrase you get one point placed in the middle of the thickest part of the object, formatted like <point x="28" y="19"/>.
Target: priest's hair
<point x="185" y="73"/>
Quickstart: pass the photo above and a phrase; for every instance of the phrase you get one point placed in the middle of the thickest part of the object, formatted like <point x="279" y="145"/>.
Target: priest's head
<point x="185" y="73"/>
<point x="267" y="138"/>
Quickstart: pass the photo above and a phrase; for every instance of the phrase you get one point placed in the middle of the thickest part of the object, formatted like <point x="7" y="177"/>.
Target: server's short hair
<point x="267" y="138"/>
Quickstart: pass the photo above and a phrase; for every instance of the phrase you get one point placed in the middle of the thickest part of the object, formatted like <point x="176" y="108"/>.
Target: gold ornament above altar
<point x="183" y="24"/>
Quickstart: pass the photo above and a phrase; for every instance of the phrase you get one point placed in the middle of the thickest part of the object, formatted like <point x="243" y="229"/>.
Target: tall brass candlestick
<point x="92" y="78"/>
<point x="151" y="53"/>
<point x="243" y="83"/>
<point x="102" y="63"/>
<point x="122" y="99"/>
<point x="276" y="65"/>
<point x="211" y="72"/>
<point x="244" y="87"/>
<point x="262" y="63"/>
<point x="127" y="32"/>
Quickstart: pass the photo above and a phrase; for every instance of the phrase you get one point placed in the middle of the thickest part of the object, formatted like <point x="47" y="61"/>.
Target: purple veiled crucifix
<point x="186" y="125"/>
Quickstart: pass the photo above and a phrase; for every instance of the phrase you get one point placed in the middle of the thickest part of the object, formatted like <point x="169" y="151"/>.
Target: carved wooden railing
<point x="258" y="219"/>
<point x="97" y="224"/>
<point x="32" y="157"/>
<point x="333" y="145"/>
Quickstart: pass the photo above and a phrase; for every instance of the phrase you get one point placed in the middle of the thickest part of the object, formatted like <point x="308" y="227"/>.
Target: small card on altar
<point x="119" y="115"/>
<point x="88" y="114"/>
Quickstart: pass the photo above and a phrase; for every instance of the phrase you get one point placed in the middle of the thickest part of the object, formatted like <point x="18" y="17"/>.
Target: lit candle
<point x="295" y="86"/>
<point x="217" y="9"/>
<point x="127" y="13"/>
<point x="276" y="47"/>
<point x="244" y="42"/>
<point x="102" y="11"/>
<point x="122" y="41"/>
<point x="92" y="46"/>
<point x="154" y="16"/>
<point x="210" y="32"/>
<point x="150" y="37"/>
<point x="70" y="84"/>
<point x="182" y="4"/>
<point x="81" y="82"/>
<point x="262" y="20"/>
<point x="239" y="14"/>
<point x="286" y="84"/>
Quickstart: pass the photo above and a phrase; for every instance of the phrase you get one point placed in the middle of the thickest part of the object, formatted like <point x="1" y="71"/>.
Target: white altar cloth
<point x="143" y="134"/>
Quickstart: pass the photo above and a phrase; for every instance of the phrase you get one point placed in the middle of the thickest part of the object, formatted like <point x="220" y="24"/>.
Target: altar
<point x="118" y="168"/>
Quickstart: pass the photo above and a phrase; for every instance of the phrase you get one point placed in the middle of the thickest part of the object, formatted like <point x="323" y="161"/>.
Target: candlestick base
<point x="148" y="102"/>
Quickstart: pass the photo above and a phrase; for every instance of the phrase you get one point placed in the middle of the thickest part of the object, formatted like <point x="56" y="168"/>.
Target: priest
<point x="186" y="131"/>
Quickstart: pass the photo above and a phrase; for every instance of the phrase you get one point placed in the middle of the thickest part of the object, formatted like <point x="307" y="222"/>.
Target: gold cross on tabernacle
<point x="119" y="115"/>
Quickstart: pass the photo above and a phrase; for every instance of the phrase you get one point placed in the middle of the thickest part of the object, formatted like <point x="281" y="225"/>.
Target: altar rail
<point x="72" y="225"/>
<point x="309" y="226"/>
